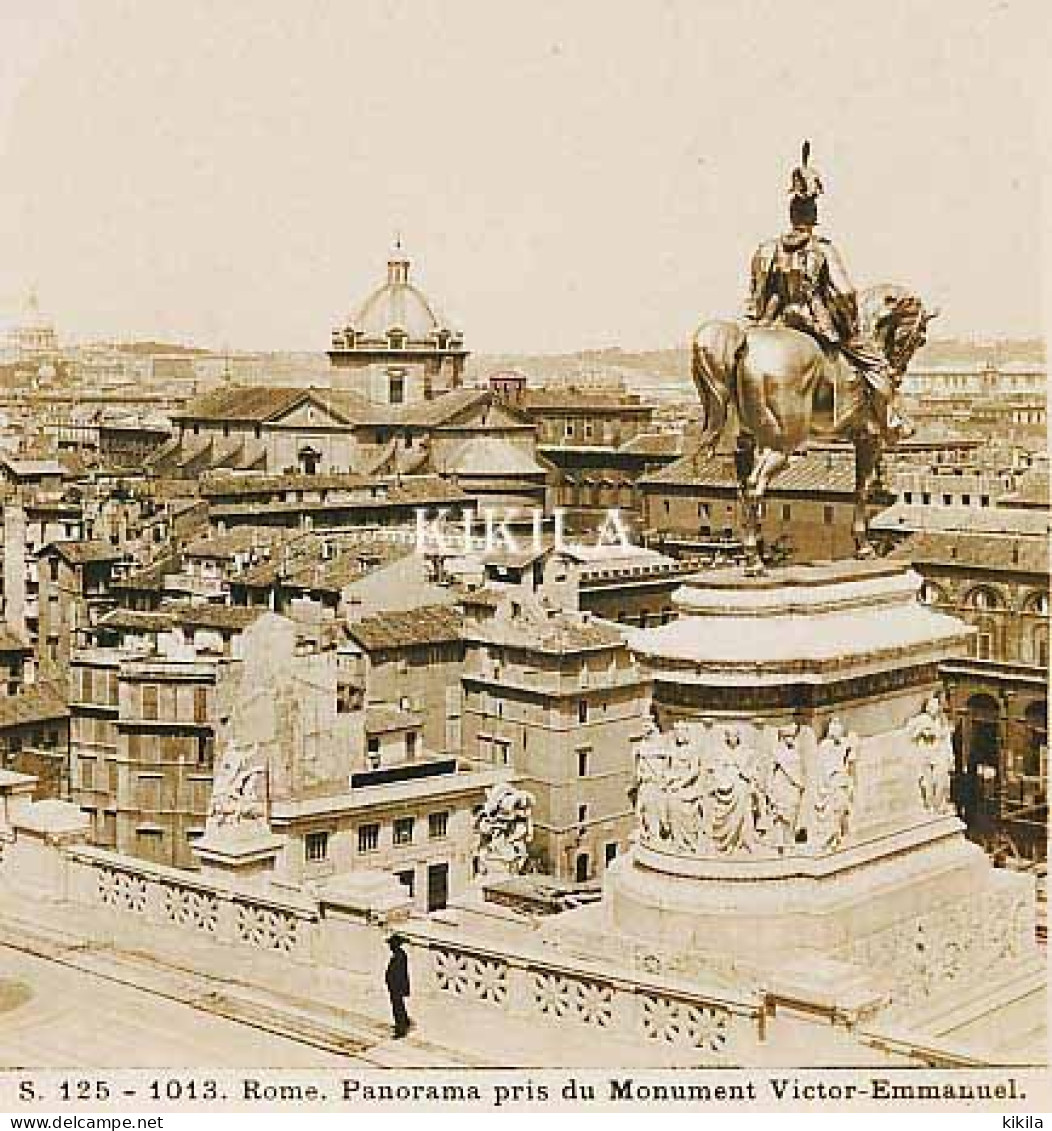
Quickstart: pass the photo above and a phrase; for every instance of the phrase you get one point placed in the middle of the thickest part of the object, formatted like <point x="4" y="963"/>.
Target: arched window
<point x="1036" y="604"/>
<point x="984" y="735"/>
<point x="1035" y="644"/>
<point x="982" y="599"/>
<point x="932" y="594"/>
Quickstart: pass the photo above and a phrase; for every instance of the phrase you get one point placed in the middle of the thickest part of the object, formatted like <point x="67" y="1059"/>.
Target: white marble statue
<point x="238" y="789"/>
<point x="505" y="828"/>
<point x="834" y="793"/>
<point x="931" y="733"/>
<point x="652" y="796"/>
<point x="684" y="794"/>
<point x="785" y="789"/>
<point x="733" y="797"/>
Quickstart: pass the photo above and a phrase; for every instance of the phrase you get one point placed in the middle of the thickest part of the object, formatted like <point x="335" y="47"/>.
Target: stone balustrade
<point x="164" y="896"/>
<point x="689" y="1025"/>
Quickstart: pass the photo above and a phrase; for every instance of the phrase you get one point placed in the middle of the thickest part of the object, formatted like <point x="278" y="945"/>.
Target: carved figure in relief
<point x="732" y="794"/>
<point x="505" y="828"/>
<point x="785" y="788"/>
<point x="834" y="793"/>
<point x="932" y="734"/>
<point x="685" y="794"/>
<point x="652" y="797"/>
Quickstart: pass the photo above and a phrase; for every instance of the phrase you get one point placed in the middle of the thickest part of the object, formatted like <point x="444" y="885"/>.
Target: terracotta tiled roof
<point x="10" y="641"/>
<point x="308" y="568"/>
<point x="488" y="455"/>
<point x="81" y="553"/>
<point x="573" y="399"/>
<point x="151" y="576"/>
<point x="909" y="518"/>
<point x="217" y="484"/>
<point x="37" y="704"/>
<point x="556" y="631"/>
<point x="379" y="719"/>
<point x="976" y="551"/>
<point x="654" y="444"/>
<point x="433" y="413"/>
<point x="239" y="540"/>
<point x="1031" y="490"/>
<point x="231" y="617"/>
<point x="259" y="403"/>
<point x="134" y="620"/>
<point x="409" y="491"/>
<point x="430" y="624"/>
<point x="811" y="472"/>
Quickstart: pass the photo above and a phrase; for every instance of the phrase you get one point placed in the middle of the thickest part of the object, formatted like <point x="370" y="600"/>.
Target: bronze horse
<point x="784" y="388"/>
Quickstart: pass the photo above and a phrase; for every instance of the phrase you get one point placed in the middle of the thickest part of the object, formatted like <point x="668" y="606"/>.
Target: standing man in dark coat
<point x="398" y="984"/>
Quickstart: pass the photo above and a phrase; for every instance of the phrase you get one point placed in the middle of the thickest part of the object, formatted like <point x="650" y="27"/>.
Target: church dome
<point x="398" y="307"/>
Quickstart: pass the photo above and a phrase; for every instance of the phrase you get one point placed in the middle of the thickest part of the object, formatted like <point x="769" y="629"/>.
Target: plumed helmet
<point x="805" y="187"/>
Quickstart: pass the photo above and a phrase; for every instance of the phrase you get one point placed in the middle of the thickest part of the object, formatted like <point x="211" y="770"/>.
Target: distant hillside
<point x="643" y="368"/>
<point x="147" y="349"/>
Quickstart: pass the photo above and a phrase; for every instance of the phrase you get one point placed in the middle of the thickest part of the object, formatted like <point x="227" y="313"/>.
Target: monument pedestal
<point x="243" y="856"/>
<point x="800" y="891"/>
<point x="794" y="807"/>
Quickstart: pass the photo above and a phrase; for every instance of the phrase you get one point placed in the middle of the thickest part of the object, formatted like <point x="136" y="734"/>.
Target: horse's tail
<point x="716" y="351"/>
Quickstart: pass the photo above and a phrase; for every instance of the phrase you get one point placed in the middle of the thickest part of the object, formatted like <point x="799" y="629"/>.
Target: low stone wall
<point x="691" y="1026"/>
<point x="164" y="896"/>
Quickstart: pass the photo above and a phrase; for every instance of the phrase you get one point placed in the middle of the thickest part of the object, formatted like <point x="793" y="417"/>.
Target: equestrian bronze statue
<point x="811" y="358"/>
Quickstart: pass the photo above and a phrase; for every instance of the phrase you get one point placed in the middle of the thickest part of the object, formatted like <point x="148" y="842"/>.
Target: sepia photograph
<point x="525" y="578"/>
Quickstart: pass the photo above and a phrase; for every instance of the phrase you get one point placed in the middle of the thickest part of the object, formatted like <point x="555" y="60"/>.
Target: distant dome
<point x="398" y="305"/>
<point x="33" y="318"/>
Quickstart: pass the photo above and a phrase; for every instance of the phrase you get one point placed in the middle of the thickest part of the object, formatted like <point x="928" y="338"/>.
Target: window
<point x="368" y="838"/>
<point x="437" y="824"/>
<point x="926" y="497"/>
<point x="907" y="496"/>
<point x="787" y="512"/>
<point x="582" y="763"/>
<point x="53" y="567"/>
<point x="502" y="751"/>
<point x="827" y="515"/>
<point x="200" y="704"/>
<point x="403" y="830"/>
<point x="372" y="748"/>
<point x="582" y="710"/>
<point x="149" y="701"/>
<point x="610" y="851"/>
<point x="408" y="880"/>
<point x="149" y="792"/>
<point x="947" y="500"/>
<point x="582" y="814"/>
<point x="316" y="847"/>
<point x="396" y="390"/>
<point x="568" y="430"/>
<point x="204" y="750"/>
<point x="87" y="774"/>
<point x="983" y="642"/>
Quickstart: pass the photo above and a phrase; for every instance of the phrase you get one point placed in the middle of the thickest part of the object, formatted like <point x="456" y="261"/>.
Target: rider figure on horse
<point x="800" y="281"/>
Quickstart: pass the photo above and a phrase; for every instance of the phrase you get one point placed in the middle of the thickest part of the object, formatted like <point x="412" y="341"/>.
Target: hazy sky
<point x="565" y="174"/>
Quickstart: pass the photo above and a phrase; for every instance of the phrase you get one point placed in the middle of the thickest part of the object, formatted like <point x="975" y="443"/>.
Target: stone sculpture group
<point x="718" y="789"/>
<point x="505" y="828"/>
<point x="708" y="789"/>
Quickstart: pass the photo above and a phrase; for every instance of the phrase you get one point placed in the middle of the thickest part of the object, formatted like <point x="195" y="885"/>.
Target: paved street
<point x="52" y="1016"/>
